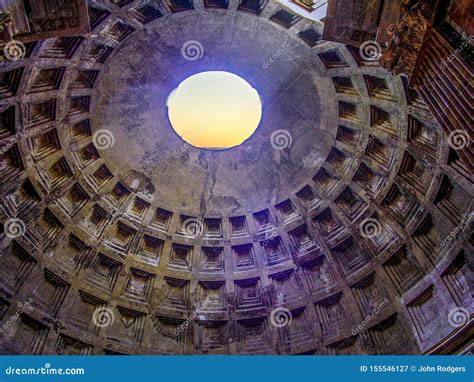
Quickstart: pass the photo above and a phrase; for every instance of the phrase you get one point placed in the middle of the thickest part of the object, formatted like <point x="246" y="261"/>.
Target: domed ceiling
<point x="132" y="108"/>
<point x="326" y="232"/>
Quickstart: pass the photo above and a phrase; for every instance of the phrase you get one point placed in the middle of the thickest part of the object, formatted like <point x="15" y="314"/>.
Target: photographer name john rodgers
<point x="441" y="369"/>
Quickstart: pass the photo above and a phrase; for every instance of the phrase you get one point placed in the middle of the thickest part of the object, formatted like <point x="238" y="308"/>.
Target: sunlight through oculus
<point x="214" y="110"/>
